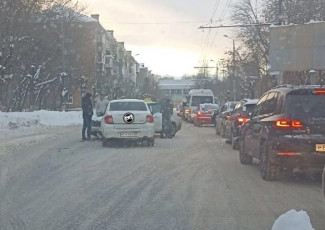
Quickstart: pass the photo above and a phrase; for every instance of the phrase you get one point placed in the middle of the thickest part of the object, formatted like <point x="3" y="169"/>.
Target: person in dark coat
<point x="87" y="113"/>
<point x="167" y="112"/>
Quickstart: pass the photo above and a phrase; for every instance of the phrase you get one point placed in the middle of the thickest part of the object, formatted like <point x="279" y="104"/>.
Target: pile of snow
<point x="25" y="123"/>
<point x="293" y="220"/>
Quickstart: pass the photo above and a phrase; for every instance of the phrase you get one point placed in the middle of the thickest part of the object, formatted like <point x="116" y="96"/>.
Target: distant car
<point x="286" y="131"/>
<point x="176" y="119"/>
<point x="224" y="115"/>
<point x="204" y="114"/>
<point x="128" y="119"/>
<point x="238" y="117"/>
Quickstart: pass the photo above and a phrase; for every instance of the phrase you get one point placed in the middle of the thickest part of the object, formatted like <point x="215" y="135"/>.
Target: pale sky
<point x="172" y="44"/>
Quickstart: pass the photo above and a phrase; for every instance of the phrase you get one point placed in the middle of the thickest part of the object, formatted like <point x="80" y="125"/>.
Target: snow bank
<point x="25" y="123"/>
<point x="293" y="220"/>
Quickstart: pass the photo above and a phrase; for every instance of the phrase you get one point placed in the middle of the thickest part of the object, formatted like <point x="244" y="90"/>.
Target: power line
<point x="233" y="26"/>
<point x="159" y="23"/>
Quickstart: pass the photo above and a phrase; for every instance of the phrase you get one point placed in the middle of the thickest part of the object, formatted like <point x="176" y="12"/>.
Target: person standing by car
<point x="167" y="112"/>
<point x="101" y="105"/>
<point x="87" y="113"/>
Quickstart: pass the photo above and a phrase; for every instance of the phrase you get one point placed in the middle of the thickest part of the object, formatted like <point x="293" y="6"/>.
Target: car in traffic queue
<point x="223" y="116"/>
<point x="204" y="114"/>
<point x="286" y="131"/>
<point x="323" y="181"/>
<point x="128" y="119"/>
<point x="238" y="117"/>
<point x="96" y="124"/>
<point x="176" y="120"/>
<point x="194" y="98"/>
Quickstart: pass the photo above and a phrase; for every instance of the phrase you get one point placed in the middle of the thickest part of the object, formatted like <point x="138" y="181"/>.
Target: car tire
<point x="269" y="170"/>
<point x="104" y="142"/>
<point x="223" y="131"/>
<point x="234" y="144"/>
<point x="243" y="155"/>
<point x="151" y="142"/>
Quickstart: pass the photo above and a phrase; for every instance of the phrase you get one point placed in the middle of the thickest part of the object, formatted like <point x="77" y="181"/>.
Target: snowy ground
<point x="19" y="129"/>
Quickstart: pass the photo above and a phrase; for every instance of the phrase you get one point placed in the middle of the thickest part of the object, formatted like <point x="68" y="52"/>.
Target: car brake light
<point x="200" y="113"/>
<point x="287" y="123"/>
<point x="242" y="120"/>
<point x="149" y="119"/>
<point x="319" y="91"/>
<point x="288" y="153"/>
<point x="109" y="119"/>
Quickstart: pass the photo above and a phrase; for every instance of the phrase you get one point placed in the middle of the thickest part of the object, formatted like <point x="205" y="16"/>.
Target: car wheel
<point x="223" y="131"/>
<point x="243" y="155"/>
<point x="104" y="142"/>
<point x="269" y="170"/>
<point x="234" y="142"/>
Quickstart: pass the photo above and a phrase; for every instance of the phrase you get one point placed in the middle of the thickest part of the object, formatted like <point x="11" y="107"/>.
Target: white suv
<point x="128" y="119"/>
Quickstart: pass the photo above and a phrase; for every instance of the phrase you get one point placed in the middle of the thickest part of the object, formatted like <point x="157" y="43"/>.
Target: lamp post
<point x="217" y="69"/>
<point x="233" y="63"/>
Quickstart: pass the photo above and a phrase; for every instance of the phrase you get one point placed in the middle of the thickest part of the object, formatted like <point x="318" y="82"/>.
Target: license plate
<point x="132" y="134"/>
<point x="320" y="148"/>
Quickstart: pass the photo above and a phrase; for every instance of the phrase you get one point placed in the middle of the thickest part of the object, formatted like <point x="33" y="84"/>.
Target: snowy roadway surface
<point x="194" y="181"/>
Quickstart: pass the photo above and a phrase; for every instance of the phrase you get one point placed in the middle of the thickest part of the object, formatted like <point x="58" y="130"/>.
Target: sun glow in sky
<point x="164" y="33"/>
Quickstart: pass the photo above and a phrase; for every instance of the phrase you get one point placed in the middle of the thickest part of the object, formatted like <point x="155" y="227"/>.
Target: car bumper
<point x="303" y="150"/>
<point x="204" y="120"/>
<point x="110" y="132"/>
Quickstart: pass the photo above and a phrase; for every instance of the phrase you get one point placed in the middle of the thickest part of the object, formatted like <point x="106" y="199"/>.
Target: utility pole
<point x="280" y="12"/>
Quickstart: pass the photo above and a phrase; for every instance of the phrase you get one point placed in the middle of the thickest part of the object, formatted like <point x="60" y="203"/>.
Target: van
<point x="196" y="97"/>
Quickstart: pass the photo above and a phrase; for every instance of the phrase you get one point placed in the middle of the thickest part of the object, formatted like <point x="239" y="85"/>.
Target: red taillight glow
<point x="149" y="119"/>
<point x="287" y="123"/>
<point x="319" y="91"/>
<point x="242" y="120"/>
<point x="109" y="119"/>
<point x="200" y="114"/>
<point x="288" y="153"/>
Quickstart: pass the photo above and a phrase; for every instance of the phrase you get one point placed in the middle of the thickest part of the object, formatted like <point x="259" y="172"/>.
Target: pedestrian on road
<point x="167" y="111"/>
<point x="87" y="113"/>
<point x="101" y="105"/>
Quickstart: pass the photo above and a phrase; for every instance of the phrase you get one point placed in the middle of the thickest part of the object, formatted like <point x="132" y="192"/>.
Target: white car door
<point x="157" y="117"/>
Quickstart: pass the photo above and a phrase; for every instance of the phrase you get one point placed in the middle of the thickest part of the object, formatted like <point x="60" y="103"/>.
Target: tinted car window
<point x="197" y="100"/>
<point x="270" y="103"/>
<point x="258" y="108"/>
<point x="311" y="106"/>
<point x="128" y="106"/>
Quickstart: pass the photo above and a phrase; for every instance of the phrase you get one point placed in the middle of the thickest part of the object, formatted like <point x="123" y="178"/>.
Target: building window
<point x="173" y="91"/>
<point x="179" y="91"/>
<point x="185" y="91"/>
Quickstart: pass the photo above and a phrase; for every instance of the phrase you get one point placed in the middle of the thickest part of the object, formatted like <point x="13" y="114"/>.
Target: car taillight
<point x="288" y="123"/>
<point x="242" y="120"/>
<point x="319" y="91"/>
<point x="200" y="113"/>
<point x="109" y="119"/>
<point x="149" y="119"/>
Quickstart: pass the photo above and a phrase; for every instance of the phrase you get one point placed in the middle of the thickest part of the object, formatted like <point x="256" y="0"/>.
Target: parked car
<point x="224" y="115"/>
<point x="128" y="119"/>
<point x="286" y="131"/>
<point x="176" y="119"/>
<point x="238" y="117"/>
<point x="204" y="113"/>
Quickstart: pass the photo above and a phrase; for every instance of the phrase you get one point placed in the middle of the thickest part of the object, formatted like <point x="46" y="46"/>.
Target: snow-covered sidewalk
<point x="19" y="129"/>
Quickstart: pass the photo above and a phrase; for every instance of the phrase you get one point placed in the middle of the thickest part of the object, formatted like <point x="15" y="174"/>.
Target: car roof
<point x="127" y="100"/>
<point x="291" y="88"/>
<point x="250" y="101"/>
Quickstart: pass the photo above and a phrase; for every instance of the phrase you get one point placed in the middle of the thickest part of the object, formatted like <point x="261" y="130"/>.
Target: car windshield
<point x="197" y="100"/>
<point x="127" y="106"/>
<point x="309" y="106"/>
<point x="155" y="108"/>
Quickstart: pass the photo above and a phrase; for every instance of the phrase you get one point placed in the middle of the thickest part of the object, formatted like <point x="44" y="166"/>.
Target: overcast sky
<point x="172" y="44"/>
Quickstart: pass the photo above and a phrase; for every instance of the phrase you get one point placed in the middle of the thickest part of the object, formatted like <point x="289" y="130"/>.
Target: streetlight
<point x="233" y="63"/>
<point x="216" y="68"/>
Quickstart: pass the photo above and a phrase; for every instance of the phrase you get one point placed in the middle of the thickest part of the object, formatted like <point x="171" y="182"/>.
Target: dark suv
<point x="286" y="131"/>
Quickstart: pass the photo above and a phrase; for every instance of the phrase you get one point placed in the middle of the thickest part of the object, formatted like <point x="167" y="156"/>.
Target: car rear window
<point x="197" y="100"/>
<point x="307" y="105"/>
<point x="250" y="108"/>
<point x="128" y="106"/>
<point x="207" y="107"/>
